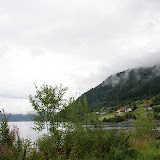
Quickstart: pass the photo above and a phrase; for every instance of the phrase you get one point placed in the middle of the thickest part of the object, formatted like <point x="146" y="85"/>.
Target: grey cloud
<point x="3" y="50"/>
<point x="15" y="91"/>
<point x="151" y="59"/>
<point x="84" y="26"/>
<point x="12" y="95"/>
<point x="93" y="40"/>
<point x="119" y="65"/>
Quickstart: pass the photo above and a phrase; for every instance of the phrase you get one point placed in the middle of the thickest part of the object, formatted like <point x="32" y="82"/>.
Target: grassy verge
<point x="107" y="116"/>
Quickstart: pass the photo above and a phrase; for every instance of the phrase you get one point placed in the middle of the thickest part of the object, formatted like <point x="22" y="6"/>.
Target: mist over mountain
<point x="137" y="74"/>
<point x="129" y="85"/>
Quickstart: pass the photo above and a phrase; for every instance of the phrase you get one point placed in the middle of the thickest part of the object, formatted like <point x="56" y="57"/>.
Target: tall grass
<point x="12" y="147"/>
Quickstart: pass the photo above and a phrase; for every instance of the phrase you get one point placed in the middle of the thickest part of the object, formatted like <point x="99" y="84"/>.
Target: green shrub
<point x="148" y="155"/>
<point x="47" y="146"/>
<point x="12" y="147"/>
<point x="5" y="136"/>
<point x="143" y="127"/>
<point x="97" y="143"/>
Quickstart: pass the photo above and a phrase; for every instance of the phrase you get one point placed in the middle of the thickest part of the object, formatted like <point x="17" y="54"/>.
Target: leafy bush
<point x="97" y="143"/>
<point x="12" y="147"/>
<point x="144" y="127"/>
<point x="47" y="146"/>
<point x="5" y="137"/>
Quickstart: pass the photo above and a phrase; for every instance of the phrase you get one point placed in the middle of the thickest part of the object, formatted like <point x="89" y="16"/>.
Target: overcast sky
<point x="78" y="43"/>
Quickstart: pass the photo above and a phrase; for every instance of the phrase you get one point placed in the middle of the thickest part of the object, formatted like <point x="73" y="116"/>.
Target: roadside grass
<point x="139" y="144"/>
<point x="147" y="148"/>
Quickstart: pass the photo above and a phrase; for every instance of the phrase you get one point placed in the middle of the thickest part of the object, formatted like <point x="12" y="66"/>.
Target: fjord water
<point x="26" y="131"/>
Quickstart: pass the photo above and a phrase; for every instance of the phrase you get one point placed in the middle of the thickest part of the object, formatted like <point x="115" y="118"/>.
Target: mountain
<point x="18" y="117"/>
<point x="125" y="87"/>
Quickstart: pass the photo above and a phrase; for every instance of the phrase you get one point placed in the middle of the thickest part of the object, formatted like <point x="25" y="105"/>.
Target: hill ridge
<point x="129" y="85"/>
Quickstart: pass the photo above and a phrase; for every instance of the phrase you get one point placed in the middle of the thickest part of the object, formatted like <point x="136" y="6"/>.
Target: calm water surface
<point x="26" y="131"/>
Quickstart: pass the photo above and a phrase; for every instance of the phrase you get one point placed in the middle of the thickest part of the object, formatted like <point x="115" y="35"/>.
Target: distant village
<point x="118" y="112"/>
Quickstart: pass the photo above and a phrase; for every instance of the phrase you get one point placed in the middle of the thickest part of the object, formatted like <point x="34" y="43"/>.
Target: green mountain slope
<point x="124" y="87"/>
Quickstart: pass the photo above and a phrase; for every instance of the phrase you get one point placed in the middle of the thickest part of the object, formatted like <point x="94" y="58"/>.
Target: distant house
<point x="148" y="109"/>
<point x="104" y="112"/>
<point x="118" y="112"/>
<point x="128" y="110"/>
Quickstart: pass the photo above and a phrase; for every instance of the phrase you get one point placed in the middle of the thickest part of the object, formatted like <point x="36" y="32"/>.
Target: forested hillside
<point x="124" y="87"/>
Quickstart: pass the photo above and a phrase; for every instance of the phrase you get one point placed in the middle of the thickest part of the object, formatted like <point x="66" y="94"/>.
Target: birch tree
<point x="46" y="102"/>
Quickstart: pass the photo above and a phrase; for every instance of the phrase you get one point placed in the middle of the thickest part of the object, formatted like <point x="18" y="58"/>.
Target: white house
<point x="148" y="109"/>
<point x="128" y="110"/>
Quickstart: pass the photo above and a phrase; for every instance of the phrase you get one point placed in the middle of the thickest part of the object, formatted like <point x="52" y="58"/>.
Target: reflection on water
<point x="26" y="131"/>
